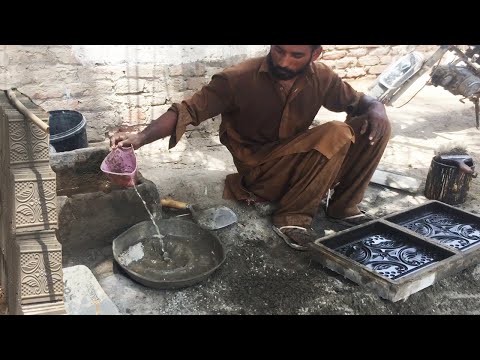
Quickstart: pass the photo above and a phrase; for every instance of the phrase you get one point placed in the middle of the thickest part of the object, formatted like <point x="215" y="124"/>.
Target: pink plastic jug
<point x="120" y="166"/>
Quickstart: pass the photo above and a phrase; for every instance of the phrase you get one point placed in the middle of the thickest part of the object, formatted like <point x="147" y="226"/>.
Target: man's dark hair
<point x="315" y="47"/>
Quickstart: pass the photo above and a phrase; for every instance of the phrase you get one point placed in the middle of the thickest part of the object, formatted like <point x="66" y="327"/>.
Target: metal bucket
<point x="447" y="183"/>
<point x="196" y="253"/>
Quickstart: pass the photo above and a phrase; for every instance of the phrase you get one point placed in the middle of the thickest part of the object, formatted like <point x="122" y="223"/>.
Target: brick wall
<point x="131" y="85"/>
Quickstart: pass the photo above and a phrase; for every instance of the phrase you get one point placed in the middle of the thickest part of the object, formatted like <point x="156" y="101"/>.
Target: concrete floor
<point x="261" y="275"/>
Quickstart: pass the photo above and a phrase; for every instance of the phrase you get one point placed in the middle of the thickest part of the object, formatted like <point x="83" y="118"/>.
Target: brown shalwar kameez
<point x="277" y="156"/>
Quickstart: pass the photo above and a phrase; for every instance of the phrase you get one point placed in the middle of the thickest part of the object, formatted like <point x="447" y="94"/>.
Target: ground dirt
<point x="261" y="275"/>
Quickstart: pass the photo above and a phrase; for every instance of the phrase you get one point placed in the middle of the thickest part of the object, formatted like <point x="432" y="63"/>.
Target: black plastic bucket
<point x="67" y="130"/>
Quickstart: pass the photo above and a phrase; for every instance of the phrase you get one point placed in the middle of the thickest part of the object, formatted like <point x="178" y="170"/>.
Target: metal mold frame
<point x="323" y="251"/>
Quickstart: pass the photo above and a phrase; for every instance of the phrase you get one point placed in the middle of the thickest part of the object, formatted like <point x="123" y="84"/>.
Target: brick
<point x="334" y="55"/>
<point x="345" y="62"/>
<point x="188" y="94"/>
<point x="156" y="99"/>
<point x="402" y="49"/>
<point x="102" y="72"/>
<point x="41" y="92"/>
<point x="139" y="100"/>
<point x="358" y="52"/>
<point x="368" y="60"/>
<point x="175" y="97"/>
<point x="377" y="69"/>
<point x="157" y="86"/>
<point x="196" y="83"/>
<point x="387" y="59"/>
<point x="95" y="103"/>
<point x="426" y="48"/>
<point x="330" y="63"/>
<point x="329" y="47"/>
<point x="7" y="79"/>
<point x="156" y="111"/>
<point x="63" y="54"/>
<point x="131" y="101"/>
<point x="355" y="72"/>
<point x="187" y="70"/>
<point x="145" y="71"/>
<point x="129" y="86"/>
<point x="38" y="56"/>
<point x="341" y="73"/>
<point x="176" y="84"/>
<point x="212" y="70"/>
<point x="133" y="117"/>
<point x="59" y="73"/>
<point x="347" y="47"/>
<point x="78" y="90"/>
<point x="380" y="51"/>
<point x="20" y="74"/>
<point x="104" y="87"/>
<point x="93" y="135"/>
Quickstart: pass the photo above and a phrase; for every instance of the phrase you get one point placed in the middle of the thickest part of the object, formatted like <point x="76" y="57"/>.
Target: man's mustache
<point x="284" y="70"/>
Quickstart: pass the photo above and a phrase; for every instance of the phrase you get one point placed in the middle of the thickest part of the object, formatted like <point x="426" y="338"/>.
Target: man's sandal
<point x="296" y="237"/>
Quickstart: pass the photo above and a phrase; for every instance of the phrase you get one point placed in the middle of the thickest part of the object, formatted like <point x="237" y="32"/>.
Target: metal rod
<point x="27" y="113"/>
<point x="464" y="58"/>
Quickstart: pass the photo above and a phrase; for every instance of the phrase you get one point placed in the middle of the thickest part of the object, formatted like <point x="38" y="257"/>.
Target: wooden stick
<point x="173" y="203"/>
<point x="31" y="116"/>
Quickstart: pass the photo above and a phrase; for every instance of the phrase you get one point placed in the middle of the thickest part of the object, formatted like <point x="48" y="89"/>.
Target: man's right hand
<point x="124" y="139"/>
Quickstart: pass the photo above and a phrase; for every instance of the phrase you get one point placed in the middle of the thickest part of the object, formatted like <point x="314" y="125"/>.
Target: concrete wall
<point x="128" y="86"/>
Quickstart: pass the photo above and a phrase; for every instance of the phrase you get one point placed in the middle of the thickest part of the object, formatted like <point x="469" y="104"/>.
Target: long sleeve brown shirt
<point x="259" y="123"/>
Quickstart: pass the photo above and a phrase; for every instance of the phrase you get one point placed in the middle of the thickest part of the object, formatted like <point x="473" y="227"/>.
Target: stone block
<point x="28" y="143"/>
<point x="84" y="295"/>
<point x="37" y="267"/>
<point x="34" y="202"/>
<point x="51" y="308"/>
<point x="83" y="188"/>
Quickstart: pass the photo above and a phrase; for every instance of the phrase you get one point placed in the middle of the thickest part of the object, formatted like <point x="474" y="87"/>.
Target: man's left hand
<point x="375" y="122"/>
<point x="375" y="119"/>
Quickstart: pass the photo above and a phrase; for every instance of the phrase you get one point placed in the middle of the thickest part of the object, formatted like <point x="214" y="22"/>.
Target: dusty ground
<point x="261" y="275"/>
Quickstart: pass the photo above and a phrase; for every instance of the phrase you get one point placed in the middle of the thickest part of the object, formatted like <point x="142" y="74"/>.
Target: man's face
<point x="288" y="61"/>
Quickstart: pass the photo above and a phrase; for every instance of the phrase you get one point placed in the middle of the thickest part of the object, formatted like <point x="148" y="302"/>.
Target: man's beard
<point x="284" y="73"/>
